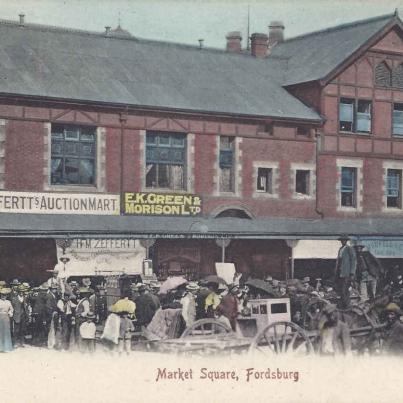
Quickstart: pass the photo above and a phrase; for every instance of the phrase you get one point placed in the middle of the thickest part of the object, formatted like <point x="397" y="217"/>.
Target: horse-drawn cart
<point x="269" y="330"/>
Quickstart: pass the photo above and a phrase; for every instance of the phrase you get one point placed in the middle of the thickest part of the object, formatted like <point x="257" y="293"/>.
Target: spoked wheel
<point x="363" y="329"/>
<point x="282" y="338"/>
<point x="312" y="313"/>
<point x="207" y="327"/>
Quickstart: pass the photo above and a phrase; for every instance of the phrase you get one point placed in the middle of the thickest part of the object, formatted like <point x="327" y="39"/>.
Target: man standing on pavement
<point x="394" y="329"/>
<point x="346" y="265"/>
<point x="20" y="317"/>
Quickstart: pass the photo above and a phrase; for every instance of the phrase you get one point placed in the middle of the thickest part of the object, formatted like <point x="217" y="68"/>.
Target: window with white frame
<point x="73" y="155"/>
<point x="394" y="188"/>
<point x="165" y="160"/>
<point x="226" y="164"/>
<point x="303" y="182"/>
<point x="355" y="115"/>
<point x="348" y="187"/>
<point x="264" y="180"/>
<point x="397" y="129"/>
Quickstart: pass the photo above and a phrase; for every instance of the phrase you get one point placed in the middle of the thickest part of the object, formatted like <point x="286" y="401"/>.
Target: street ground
<point x="35" y="375"/>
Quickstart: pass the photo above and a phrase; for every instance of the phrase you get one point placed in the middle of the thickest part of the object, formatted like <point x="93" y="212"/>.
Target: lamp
<point x="64" y="259"/>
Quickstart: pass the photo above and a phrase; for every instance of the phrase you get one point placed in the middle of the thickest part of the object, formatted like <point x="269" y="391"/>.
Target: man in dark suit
<point x="50" y="306"/>
<point x="20" y="316"/>
<point x="346" y="265"/>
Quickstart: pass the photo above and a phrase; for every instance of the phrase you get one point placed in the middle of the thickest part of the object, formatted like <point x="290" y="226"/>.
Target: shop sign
<point x="384" y="248"/>
<point x="97" y="245"/>
<point x="59" y="203"/>
<point x="161" y="204"/>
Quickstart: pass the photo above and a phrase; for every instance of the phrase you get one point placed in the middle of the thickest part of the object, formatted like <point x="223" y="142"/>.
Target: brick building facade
<point x="299" y="140"/>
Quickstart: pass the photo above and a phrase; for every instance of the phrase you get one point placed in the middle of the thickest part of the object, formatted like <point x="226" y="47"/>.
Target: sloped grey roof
<point x="47" y="62"/>
<point x="313" y="56"/>
<point x="59" y="225"/>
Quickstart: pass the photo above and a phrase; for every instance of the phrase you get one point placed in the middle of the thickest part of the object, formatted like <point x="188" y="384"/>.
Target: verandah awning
<point x="59" y="226"/>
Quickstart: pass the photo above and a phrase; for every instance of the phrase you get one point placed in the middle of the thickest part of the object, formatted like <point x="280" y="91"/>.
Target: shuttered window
<point x="397" y="77"/>
<point x="382" y="75"/>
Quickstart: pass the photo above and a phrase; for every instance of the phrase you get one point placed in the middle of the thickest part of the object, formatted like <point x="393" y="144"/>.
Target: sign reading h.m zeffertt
<point x="59" y="203"/>
<point x="138" y="203"/>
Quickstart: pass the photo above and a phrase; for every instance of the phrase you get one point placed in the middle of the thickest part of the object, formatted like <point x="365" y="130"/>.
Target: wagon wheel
<point x="357" y="318"/>
<point x="281" y="338"/>
<point x="312" y="313"/>
<point x="206" y="327"/>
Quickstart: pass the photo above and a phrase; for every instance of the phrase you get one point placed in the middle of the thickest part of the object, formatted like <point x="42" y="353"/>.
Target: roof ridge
<point x="32" y="25"/>
<point x="100" y="34"/>
<point x="341" y="26"/>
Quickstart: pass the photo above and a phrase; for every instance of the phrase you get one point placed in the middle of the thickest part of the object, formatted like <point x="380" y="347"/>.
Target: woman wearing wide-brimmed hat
<point x="6" y="313"/>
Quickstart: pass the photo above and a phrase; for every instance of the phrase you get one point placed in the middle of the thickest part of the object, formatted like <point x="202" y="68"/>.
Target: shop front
<point x="96" y="233"/>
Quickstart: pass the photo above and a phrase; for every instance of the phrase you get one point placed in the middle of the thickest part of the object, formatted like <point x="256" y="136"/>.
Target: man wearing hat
<point x="56" y="281"/>
<point x="229" y="304"/>
<point x="14" y="287"/>
<point x="346" y="264"/>
<point x="39" y="327"/>
<point x="188" y="302"/>
<point x="334" y="334"/>
<point x="394" y="329"/>
<point x="20" y="316"/>
<point x="145" y="306"/>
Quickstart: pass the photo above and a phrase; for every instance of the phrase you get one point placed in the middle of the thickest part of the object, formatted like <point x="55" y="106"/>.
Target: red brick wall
<point x="357" y="81"/>
<point x="24" y="155"/>
<point x="309" y="94"/>
<point x="205" y="158"/>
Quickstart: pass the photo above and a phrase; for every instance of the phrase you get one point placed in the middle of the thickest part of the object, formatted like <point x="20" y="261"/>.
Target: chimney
<point x="107" y="30"/>
<point x="234" y="39"/>
<point x="259" y="45"/>
<point x="276" y="33"/>
<point x="22" y="19"/>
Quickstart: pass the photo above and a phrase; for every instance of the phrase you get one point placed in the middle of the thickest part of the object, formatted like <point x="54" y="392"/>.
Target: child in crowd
<point x="87" y="333"/>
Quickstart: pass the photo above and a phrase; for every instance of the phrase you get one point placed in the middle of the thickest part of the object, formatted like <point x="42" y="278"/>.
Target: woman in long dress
<point x="6" y="312"/>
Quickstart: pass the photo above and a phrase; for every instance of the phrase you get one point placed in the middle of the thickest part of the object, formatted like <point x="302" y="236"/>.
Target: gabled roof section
<point x="314" y="56"/>
<point x="54" y="63"/>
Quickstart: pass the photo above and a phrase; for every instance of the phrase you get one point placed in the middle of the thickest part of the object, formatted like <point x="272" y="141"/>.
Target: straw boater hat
<point x="90" y="315"/>
<point x="85" y="290"/>
<point x="5" y="291"/>
<point x="15" y="282"/>
<point x="392" y="307"/>
<point x="343" y="237"/>
<point x="192" y="286"/>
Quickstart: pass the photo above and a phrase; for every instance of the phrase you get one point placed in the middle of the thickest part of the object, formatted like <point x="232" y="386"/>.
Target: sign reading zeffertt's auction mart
<point x="161" y="204"/>
<point x="59" y="203"/>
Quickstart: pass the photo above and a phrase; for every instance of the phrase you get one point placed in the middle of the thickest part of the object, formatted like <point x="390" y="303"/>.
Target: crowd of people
<point x="74" y="315"/>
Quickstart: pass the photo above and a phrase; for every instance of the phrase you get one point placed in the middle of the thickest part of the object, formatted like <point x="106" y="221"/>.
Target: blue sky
<point x="188" y="20"/>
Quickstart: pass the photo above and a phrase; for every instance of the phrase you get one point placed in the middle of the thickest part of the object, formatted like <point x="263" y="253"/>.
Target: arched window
<point x="382" y="75"/>
<point x="397" y="77"/>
